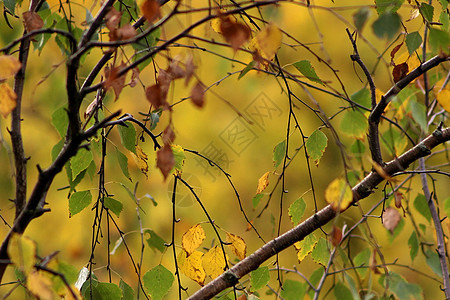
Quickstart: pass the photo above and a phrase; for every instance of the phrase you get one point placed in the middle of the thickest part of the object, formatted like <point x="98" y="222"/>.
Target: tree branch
<point x="322" y="217"/>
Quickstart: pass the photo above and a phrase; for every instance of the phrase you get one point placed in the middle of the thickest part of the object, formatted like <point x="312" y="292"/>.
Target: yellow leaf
<point x="267" y="42"/>
<point x="40" y="286"/>
<point x="237" y="245"/>
<point x="191" y="266"/>
<point x="214" y="262"/>
<point x="263" y="182"/>
<point x="68" y="294"/>
<point x="141" y="160"/>
<point x="22" y="252"/>
<point x="379" y="169"/>
<point x="7" y="100"/>
<point x="339" y="194"/>
<point x="9" y="66"/>
<point x="305" y="246"/>
<point x="442" y="94"/>
<point x="192" y="239"/>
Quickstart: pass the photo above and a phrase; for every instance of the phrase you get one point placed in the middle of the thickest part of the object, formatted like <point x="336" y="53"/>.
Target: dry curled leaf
<point x="234" y="33"/>
<point x="141" y="159"/>
<point x="114" y="81"/>
<point x="113" y="19"/>
<point x="134" y="77"/>
<point x="391" y="218"/>
<point x="394" y="51"/>
<point x="398" y="199"/>
<point x="168" y="136"/>
<point x="198" y="95"/>
<point x="124" y="33"/>
<point x="165" y="160"/>
<point x="400" y="71"/>
<point x="32" y="21"/>
<point x="175" y="70"/>
<point x="154" y="95"/>
<point x="263" y="182"/>
<point x="336" y="236"/>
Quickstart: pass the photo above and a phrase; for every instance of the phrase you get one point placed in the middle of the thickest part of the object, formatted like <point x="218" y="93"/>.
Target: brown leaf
<point x="398" y="199"/>
<point x="114" y="81"/>
<point x="234" y="33"/>
<point x="190" y="69"/>
<point x="175" y="70"/>
<point x="400" y="71"/>
<point x="373" y="262"/>
<point x="391" y="218"/>
<point x="113" y="19"/>
<point x="165" y="160"/>
<point x="32" y="21"/>
<point x="154" y="95"/>
<point x="198" y="95"/>
<point x="125" y="32"/>
<point x="134" y="77"/>
<point x="164" y="79"/>
<point x="150" y="10"/>
<point x="336" y="236"/>
<point x="394" y="51"/>
<point x="91" y="108"/>
<point x="168" y="136"/>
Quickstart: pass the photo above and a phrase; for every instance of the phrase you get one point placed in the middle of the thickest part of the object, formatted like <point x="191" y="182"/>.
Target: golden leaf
<point x="22" y="252"/>
<point x="141" y="160"/>
<point x="214" y="262"/>
<point x="339" y="194"/>
<point x="305" y="246"/>
<point x="9" y="66"/>
<point x="7" y="100"/>
<point x="191" y="266"/>
<point x="40" y="286"/>
<point x="237" y="245"/>
<point x="442" y="94"/>
<point x="192" y="239"/>
<point x="263" y="182"/>
<point x="267" y="42"/>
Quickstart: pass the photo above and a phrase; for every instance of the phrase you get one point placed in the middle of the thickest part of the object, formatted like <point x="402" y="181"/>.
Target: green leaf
<point x="419" y="114"/>
<point x="155" y="241"/>
<point x="128" y="136"/>
<point x="73" y="183"/>
<point x="421" y="205"/>
<point x="256" y="199"/>
<point x="362" y="97"/>
<point x="314" y="279"/>
<point x="10" y="5"/>
<point x="296" y="210"/>
<point x="305" y="246"/>
<point x="316" y="144"/>
<point x="444" y="20"/>
<point x="388" y="5"/>
<point x="60" y="120"/>
<point x="358" y="147"/>
<point x="341" y="291"/>
<point x="438" y="39"/>
<point x="413" y="243"/>
<point x="413" y="41"/>
<point x="179" y="156"/>
<point x="305" y="67"/>
<point x="278" y="153"/>
<point x="293" y="290"/>
<point x="362" y="259"/>
<point x="70" y="274"/>
<point x="447" y="206"/>
<point x="56" y="149"/>
<point x="400" y="287"/>
<point x="397" y="230"/>
<point x="321" y="253"/>
<point x="394" y="141"/>
<point x="127" y="291"/>
<point x="144" y="47"/>
<point x="158" y="281"/>
<point x="79" y="201"/>
<point x="360" y="18"/>
<point x="387" y="25"/>
<point x="80" y="161"/>
<point x="114" y="205"/>
<point x="259" y="278"/>
<point x="101" y="291"/>
<point x="354" y="124"/>
<point x="427" y="11"/>
<point x="123" y="163"/>
<point x="433" y="262"/>
<point x="247" y="69"/>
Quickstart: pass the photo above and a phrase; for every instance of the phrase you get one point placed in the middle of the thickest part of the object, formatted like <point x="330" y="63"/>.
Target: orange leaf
<point x="150" y="10"/>
<point x="114" y="81"/>
<point x="7" y="100"/>
<point x="336" y="236"/>
<point x="32" y="21"/>
<point x="198" y="95"/>
<point x="9" y="66"/>
<point x="234" y="33"/>
<point x="192" y="239"/>
<point x="165" y="160"/>
<point x="263" y="182"/>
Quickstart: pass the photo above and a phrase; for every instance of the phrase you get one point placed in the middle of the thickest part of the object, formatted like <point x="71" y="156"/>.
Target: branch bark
<point x="322" y="217"/>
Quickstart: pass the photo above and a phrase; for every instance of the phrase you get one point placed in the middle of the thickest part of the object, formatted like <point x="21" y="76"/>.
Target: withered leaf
<point x="391" y="218"/>
<point x="336" y="236"/>
<point x="175" y="70"/>
<point x="134" y="77"/>
<point x="168" y="136"/>
<point x="150" y="10"/>
<point x="234" y="33"/>
<point x="114" y="81"/>
<point x="154" y="95"/>
<point x="32" y="21"/>
<point x="190" y="68"/>
<point x="165" y="160"/>
<point x="394" y="51"/>
<point x="113" y="19"/>
<point x="400" y="71"/>
<point x="198" y="95"/>
<point x="125" y="32"/>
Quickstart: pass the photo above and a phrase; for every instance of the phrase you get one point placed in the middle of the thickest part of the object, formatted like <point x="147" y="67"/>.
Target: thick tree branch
<point x="322" y="217"/>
